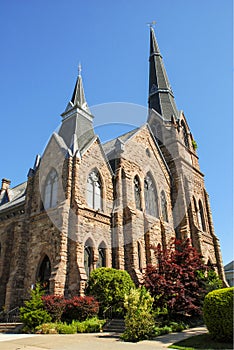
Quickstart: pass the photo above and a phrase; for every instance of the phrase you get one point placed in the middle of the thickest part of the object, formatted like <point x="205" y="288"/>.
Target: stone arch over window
<point x="101" y="255"/>
<point x="164" y="206"/>
<point x="201" y="218"/>
<point x="88" y="256"/>
<point x="44" y="273"/>
<point x="51" y="190"/>
<point x="185" y="134"/>
<point x="94" y="190"/>
<point x="137" y="192"/>
<point x="151" y="198"/>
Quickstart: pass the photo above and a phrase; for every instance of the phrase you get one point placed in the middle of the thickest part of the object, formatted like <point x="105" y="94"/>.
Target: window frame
<point x="94" y="197"/>
<point x="50" y="198"/>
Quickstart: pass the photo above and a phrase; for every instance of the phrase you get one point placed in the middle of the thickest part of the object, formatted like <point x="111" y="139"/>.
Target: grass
<point x="202" y="341"/>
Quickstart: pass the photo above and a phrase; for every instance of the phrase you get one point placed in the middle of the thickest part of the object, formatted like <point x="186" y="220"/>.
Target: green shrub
<point x="47" y="328"/>
<point x="64" y="328"/>
<point x="33" y="313"/>
<point x="210" y="280"/>
<point x="218" y="313"/>
<point x="139" y="321"/>
<point x="92" y="325"/>
<point x="109" y="287"/>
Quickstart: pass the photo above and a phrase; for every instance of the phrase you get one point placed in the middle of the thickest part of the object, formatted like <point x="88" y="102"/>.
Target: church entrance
<point x="44" y="273"/>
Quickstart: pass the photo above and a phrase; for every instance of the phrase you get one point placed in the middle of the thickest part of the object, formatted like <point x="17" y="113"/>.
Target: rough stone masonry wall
<point x="141" y="230"/>
<point x="90" y="224"/>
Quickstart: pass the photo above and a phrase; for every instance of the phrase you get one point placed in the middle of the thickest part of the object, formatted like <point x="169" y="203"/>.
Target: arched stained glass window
<point x="185" y="134"/>
<point x="101" y="256"/>
<point x="88" y="258"/>
<point x="137" y="192"/>
<point x="164" y="206"/>
<point x="94" y="190"/>
<point x="51" y="190"/>
<point x="151" y="198"/>
<point x="201" y="218"/>
<point x="139" y="256"/>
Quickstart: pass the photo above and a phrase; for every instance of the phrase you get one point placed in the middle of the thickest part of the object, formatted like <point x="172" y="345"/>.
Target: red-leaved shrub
<point x="54" y="305"/>
<point x="174" y="281"/>
<point x="80" y="308"/>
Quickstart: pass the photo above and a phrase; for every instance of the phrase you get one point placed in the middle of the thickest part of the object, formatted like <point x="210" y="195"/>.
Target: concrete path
<point x="94" y="341"/>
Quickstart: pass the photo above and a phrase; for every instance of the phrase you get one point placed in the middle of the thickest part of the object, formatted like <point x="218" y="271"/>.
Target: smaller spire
<point x="78" y="96"/>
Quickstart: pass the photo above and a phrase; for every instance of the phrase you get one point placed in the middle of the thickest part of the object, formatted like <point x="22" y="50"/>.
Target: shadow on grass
<point x="202" y="341"/>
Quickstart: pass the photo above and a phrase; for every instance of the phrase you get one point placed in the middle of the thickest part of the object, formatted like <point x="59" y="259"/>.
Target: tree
<point x="33" y="313"/>
<point x="109" y="287"/>
<point x="139" y="321"/>
<point x="174" y="281"/>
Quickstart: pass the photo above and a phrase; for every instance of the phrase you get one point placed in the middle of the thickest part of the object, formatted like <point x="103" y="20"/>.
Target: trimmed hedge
<point x="218" y="313"/>
<point x="109" y="286"/>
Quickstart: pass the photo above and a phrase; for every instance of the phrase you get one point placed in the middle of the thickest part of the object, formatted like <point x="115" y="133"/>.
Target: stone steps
<point x="114" y="325"/>
<point x="10" y="327"/>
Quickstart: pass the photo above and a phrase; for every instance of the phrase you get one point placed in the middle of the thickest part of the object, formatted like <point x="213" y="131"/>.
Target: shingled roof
<point x="12" y="197"/>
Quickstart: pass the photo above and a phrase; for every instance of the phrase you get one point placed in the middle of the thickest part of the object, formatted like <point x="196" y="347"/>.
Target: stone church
<point x="86" y="204"/>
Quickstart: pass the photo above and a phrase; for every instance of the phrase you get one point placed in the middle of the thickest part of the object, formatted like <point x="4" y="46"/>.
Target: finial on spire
<point x="79" y="69"/>
<point x="151" y="24"/>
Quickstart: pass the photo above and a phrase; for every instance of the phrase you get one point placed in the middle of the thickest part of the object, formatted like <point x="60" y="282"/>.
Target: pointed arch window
<point x="137" y="192"/>
<point x="164" y="206"/>
<point x="44" y="273"/>
<point x="151" y="198"/>
<point x="185" y="134"/>
<point x="94" y="190"/>
<point x="201" y="218"/>
<point x="51" y="190"/>
<point x="101" y="256"/>
<point x="88" y="257"/>
<point x="139" y="256"/>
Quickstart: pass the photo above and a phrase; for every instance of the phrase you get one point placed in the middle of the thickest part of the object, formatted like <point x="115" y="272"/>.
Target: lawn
<point x="202" y="341"/>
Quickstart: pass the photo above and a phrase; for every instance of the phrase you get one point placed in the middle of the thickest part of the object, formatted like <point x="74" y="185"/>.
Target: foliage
<point x="91" y="325"/>
<point x="173" y="282"/>
<point x="170" y="327"/>
<point x="80" y="308"/>
<point x="210" y="280"/>
<point x="54" y="305"/>
<point x="139" y="322"/>
<point x="218" y="313"/>
<point x="33" y="313"/>
<point x="109" y="286"/>
<point x="64" y="328"/>
<point x="47" y="328"/>
<point x="194" y="144"/>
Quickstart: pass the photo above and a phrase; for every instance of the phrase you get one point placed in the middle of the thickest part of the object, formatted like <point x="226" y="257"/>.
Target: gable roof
<point x="16" y="196"/>
<point x="109" y="146"/>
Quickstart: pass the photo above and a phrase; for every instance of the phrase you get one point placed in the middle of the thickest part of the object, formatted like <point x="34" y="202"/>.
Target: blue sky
<point x="43" y="41"/>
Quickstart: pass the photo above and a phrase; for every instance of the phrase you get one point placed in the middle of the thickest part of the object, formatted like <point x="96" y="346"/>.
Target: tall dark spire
<point x="161" y="97"/>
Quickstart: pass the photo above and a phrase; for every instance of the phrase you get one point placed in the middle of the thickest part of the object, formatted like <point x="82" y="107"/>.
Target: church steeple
<point x="161" y="97"/>
<point x="78" y="96"/>
<point x="77" y="124"/>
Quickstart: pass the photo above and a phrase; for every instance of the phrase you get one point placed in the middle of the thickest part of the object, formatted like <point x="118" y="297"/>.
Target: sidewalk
<point x="94" y="341"/>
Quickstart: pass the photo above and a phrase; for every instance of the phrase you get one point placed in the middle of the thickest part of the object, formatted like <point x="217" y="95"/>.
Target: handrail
<point x="10" y="316"/>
